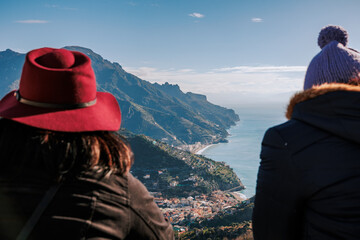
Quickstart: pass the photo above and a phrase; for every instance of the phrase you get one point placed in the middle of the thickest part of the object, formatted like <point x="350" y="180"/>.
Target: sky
<point x="233" y="51"/>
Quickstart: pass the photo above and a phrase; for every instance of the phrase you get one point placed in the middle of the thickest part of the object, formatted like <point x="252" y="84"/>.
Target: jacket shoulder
<point x="293" y="135"/>
<point x="147" y="220"/>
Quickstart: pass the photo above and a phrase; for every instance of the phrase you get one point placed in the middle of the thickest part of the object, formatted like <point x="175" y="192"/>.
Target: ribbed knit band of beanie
<point x="335" y="62"/>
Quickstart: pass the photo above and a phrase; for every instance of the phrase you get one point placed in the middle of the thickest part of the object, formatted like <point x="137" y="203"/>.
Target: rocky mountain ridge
<point x="162" y="112"/>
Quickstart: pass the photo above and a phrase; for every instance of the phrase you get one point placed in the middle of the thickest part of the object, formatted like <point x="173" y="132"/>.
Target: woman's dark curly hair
<point x="58" y="154"/>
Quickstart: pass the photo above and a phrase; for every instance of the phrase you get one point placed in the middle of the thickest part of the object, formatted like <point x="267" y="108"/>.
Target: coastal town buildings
<point x="181" y="212"/>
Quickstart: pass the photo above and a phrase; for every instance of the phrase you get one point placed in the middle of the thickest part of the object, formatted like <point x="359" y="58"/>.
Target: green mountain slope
<point x="177" y="173"/>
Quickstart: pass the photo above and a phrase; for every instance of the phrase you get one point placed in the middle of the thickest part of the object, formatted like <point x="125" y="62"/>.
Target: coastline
<point x="196" y="148"/>
<point x="203" y="148"/>
<point x="240" y="196"/>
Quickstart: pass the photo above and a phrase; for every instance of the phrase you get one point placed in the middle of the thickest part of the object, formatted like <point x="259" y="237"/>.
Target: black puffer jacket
<point x="308" y="183"/>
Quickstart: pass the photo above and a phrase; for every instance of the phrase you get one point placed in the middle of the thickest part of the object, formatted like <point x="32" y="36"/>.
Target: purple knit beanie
<point x="335" y="62"/>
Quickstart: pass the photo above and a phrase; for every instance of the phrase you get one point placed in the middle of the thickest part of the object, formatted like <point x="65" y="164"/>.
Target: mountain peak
<point x="9" y="53"/>
<point x="92" y="55"/>
<point x="80" y="49"/>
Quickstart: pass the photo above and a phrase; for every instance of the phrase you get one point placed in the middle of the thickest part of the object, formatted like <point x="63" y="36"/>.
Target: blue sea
<point x="243" y="149"/>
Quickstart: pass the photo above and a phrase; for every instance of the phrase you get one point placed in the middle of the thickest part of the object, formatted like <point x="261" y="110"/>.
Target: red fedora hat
<point x="58" y="92"/>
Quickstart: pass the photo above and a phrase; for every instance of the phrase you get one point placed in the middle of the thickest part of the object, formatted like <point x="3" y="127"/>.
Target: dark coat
<point x="308" y="184"/>
<point x="86" y="207"/>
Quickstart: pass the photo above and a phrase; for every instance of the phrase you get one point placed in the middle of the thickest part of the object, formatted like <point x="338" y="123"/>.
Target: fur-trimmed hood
<point x="334" y="108"/>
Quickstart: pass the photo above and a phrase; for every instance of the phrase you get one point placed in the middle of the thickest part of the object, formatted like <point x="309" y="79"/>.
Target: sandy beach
<point x="240" y="196"/>
<point x="203" y="148"/>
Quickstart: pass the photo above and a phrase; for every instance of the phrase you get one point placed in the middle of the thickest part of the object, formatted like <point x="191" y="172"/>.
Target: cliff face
<point x="163" y="112"/>
<point x="175" y="172"/>
<point x="214" y="113"/>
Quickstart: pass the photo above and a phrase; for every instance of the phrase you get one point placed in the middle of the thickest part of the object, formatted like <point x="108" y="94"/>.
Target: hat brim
<point x="104" y="115"/>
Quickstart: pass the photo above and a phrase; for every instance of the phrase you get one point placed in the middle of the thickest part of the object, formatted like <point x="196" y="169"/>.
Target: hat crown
<point x="57" y="76"/>
<point x="58" y="58"/>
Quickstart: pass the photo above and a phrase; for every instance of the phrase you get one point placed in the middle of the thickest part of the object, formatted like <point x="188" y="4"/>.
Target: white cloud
<point x="196" y="15"/>
<point x="186" y="70"/>
<point x="59" y="7"/>
<point x="52" y="6"/>
<point x="133" y="4"/>
<point x="257" y="20"/>
<point x="32" y="21"/>
<point x="144" y="72"/>
<point x="262" y="69"/>
<point x="231" y="80"/>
